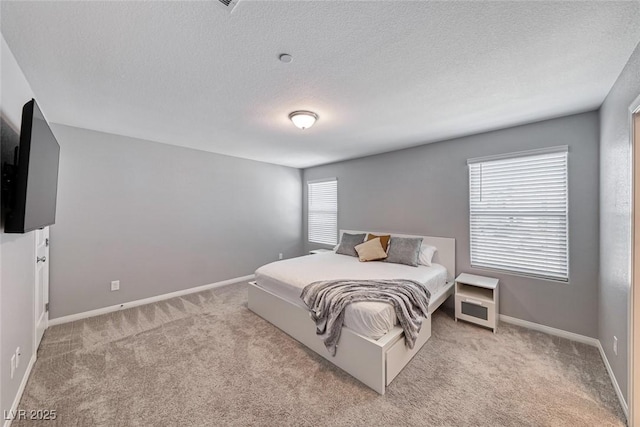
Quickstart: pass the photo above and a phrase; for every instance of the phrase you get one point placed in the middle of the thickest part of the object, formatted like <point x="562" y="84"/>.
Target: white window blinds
<point x="519" y="213"/>
<point x="323" y="211"/>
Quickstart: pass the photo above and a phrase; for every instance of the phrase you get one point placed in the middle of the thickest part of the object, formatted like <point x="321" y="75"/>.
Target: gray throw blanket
<point x="328" y="299"/>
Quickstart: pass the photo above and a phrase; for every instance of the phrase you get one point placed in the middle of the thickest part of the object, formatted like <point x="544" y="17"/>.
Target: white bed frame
<point x="374" y="362"/>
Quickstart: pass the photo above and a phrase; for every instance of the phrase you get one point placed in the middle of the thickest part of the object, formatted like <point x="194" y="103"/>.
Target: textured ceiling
<point x="381" y="75"/>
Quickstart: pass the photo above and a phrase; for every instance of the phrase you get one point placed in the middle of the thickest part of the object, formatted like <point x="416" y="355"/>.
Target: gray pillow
<point x="404" y="250"/>
<point x="348" y="244"/>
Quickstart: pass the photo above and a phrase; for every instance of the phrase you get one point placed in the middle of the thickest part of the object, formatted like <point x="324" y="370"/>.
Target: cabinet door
<point x="476" y="311"/>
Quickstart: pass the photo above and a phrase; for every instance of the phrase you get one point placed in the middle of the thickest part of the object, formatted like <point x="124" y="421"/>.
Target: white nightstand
<point x="319" y="251"/>
<point x="477" y="300"/>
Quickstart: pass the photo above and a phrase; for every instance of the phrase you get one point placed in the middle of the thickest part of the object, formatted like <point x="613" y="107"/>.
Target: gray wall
<point x="17" y="251"/>
<point x="162" y="218"/>
<point x="615" y="216"/>
<point x="424" y="190"/>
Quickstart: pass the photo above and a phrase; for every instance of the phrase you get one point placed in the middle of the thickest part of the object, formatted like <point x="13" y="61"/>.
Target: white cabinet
<point x="477" y="300"/>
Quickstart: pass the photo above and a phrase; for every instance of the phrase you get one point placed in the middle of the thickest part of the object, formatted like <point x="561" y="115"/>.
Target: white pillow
<point x="426" y="254"/>
<point x="335" y="248"/>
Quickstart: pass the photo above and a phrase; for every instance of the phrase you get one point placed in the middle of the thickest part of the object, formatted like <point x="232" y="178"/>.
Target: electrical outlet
<point x="115" y="285"/>
<point x="280" y="255"/>
<point x="13" y="365"/>
<point x="17" y="357"/>
<point x="615" y="345"/>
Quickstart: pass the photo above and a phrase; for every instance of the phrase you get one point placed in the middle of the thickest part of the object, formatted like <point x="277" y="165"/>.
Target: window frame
<point x="517" y="155"/>
<point x="309" y="211"/>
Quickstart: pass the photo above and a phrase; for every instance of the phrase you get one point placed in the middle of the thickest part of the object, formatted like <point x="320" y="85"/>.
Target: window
<point x="323" y="211"/>
<point x="518" y="207"/>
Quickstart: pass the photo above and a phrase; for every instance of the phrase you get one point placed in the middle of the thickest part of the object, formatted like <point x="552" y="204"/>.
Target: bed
<point x="371" y="346"/>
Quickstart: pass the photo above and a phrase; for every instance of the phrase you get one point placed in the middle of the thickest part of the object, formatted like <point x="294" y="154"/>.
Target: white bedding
<point x="286" y="279"/>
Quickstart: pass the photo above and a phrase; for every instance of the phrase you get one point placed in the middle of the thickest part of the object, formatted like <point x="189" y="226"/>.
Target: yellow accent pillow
<point x="384" y="240"/>
<point x="371" y="250"/>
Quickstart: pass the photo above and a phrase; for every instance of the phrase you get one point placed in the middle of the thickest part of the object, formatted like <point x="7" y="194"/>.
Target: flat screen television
<point x="35" y="181"/>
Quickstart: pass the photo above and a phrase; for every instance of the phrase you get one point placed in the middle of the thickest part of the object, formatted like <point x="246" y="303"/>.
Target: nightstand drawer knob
<point x="473" y="301"/>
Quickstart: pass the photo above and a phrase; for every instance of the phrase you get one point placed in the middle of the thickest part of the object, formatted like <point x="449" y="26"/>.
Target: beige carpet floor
<point x="206" y="360"/>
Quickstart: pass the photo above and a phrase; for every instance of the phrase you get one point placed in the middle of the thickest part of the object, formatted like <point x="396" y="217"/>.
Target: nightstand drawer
<point x="475" y="310"/>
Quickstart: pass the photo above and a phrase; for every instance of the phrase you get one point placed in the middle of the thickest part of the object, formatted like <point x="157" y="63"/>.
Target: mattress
<point x="287" y="278"/>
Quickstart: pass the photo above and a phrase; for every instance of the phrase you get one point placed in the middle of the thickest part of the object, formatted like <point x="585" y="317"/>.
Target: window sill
<point x="518" y="274"/>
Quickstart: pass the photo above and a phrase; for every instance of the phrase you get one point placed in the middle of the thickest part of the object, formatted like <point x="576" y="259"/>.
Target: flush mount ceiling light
<point x="303" y="119"/>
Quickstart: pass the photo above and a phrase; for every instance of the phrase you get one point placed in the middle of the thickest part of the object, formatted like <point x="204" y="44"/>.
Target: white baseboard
<point x="578" y="338"/>
<point x="23" y="384"/>
<point x="130" y="304"/>
<point x="616" y="386"/>
<point x="551" y="331"/>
